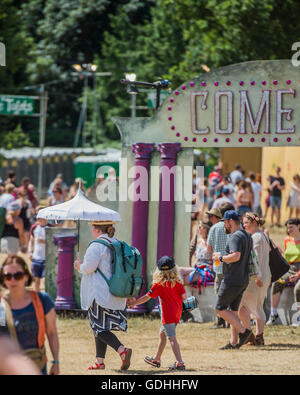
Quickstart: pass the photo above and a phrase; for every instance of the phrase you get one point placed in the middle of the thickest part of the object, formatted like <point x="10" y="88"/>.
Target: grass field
<point x="199" y="346"/>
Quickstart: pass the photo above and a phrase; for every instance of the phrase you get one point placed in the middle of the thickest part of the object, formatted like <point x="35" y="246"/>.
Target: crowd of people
<point x="229" y="248"/>
<point x="232" y="207"/>
<point x="244" y="191"/>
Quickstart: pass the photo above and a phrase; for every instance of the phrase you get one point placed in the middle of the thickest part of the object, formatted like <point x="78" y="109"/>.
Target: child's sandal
<point x="97" y="366"/>
<point x="153" y="362"/>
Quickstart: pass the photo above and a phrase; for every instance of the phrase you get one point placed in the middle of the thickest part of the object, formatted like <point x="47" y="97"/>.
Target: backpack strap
<point x="9" y="319"/>
<point x="40" y="316"/>
<point x="107" y="243"/>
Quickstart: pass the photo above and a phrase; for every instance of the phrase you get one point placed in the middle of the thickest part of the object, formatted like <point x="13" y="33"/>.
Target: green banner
<point x="16" y="105"/>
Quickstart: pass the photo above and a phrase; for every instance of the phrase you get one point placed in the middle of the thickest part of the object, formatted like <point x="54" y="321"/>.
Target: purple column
<point x="166" y="199"/>
<point x="165" y="238"/>
<point x="64" y="280"/>
<point x="140" y="209"/>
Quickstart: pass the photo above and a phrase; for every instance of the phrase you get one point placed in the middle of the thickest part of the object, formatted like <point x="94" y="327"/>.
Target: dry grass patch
<point x="199" y="345"/>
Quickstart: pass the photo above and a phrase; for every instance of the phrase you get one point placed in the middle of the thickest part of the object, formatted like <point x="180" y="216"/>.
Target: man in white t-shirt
<point x="7" y="197"/>
<point x="256" y="188"/>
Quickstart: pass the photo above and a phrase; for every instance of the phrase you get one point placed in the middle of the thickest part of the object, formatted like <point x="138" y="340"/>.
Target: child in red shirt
<point x="170" y="290"/>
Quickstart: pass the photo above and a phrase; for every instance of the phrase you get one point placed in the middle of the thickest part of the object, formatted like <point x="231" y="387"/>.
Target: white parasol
<point x="80" y="208"/>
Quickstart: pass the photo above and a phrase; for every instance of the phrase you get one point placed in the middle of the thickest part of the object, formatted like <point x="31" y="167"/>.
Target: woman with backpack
<point x="106" y="312"/>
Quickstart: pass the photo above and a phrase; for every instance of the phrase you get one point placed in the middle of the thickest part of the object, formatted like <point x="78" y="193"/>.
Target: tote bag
<point x="278" y="265"/>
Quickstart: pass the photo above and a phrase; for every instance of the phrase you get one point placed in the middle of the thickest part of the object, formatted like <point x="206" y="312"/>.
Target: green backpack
<point x="126" y="280"/>
<point x="2" y="220"/>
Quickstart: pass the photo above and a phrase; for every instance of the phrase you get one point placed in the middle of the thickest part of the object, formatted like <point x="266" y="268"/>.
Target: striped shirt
<point x="217" y="239"/>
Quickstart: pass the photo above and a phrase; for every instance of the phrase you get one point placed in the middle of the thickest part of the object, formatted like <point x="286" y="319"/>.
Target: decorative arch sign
<point x="252" y="104"/>
<point x="249" y="104"/>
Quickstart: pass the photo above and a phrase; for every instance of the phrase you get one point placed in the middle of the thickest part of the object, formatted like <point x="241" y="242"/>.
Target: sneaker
<point x="153" y="362"/>
<point x="177" y="366"/>
<point x="230" y="346"/>
<point x="126" y="356"/>
<point x="273" y="320"/>
<point x="259" y="340"/>
<point x="244" y="337"/>
<point x="296" y="324"/>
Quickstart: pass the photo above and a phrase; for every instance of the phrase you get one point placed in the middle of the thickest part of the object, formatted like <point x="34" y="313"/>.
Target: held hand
<point x="77" y="264"/>
<point x="131" y="302"/>
<point x="216" y="256"/>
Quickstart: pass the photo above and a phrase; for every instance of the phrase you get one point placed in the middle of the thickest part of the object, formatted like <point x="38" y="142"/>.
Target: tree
<point x="18" y="45"/>
<point x="67" y="32"/>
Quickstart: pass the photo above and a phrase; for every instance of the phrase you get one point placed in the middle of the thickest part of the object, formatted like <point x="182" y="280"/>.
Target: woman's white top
<point x="93" y="285"/>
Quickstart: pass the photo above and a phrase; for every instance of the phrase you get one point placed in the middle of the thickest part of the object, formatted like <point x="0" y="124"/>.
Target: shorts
<point x="275" y="201"/>
<point x="283" y="282"/>
<point x="10" y="245"/>
<point x="38" y="268"/>
<point x="229" y="297"/>
<point x="169" y="329"/>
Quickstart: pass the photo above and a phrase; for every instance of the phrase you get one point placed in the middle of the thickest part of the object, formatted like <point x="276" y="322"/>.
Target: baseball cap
<point x="166" y="263"/>
<point x="215" y="211"/>
<point x="225" y="190"/>
<point x="230" y="214"/>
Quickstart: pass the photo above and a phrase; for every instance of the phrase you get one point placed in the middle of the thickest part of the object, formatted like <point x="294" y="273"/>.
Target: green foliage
<point x="16" y="139"/>
<point x="171" y="39"/>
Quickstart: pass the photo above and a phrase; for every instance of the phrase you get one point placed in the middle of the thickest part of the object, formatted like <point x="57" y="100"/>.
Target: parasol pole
<point x="78" y="229"/>
<point x="78" y="224"/>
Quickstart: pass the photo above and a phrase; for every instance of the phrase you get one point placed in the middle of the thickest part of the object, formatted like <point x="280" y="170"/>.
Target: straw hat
<point x="104" y="222"/>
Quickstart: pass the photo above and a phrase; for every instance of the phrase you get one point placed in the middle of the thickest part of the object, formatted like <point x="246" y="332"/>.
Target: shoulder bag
<point x="278" y="265"/>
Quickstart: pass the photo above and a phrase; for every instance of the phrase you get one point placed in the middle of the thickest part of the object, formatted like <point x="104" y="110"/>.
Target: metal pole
<point x="85" y="104"/>
<point x="42" y="131"/>
<point x="133" y="106"/>
<point x="94" y="132"/>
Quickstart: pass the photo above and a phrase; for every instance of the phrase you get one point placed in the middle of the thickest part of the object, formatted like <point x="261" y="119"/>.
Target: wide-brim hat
<point x="104" y="222"/>
<point x="214" y="211"/>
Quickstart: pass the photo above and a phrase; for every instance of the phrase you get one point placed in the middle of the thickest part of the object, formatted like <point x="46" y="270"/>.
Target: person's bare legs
<point x="161" y="346"/>
<point x="175" y="348"/>
<point x="275" y="299"/>
<point x="245" y="317"/>
<point x="37" y="284"/>
<point x="235" y="325"/>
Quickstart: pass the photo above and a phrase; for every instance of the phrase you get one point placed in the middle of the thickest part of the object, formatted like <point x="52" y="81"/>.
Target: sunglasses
<point x="17" y="276"/>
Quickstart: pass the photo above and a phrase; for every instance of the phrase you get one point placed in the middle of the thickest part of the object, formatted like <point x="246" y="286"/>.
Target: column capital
<point x="66" y="241"/>
<point x="143" y="150"/>
<point x="168" y="150"/>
